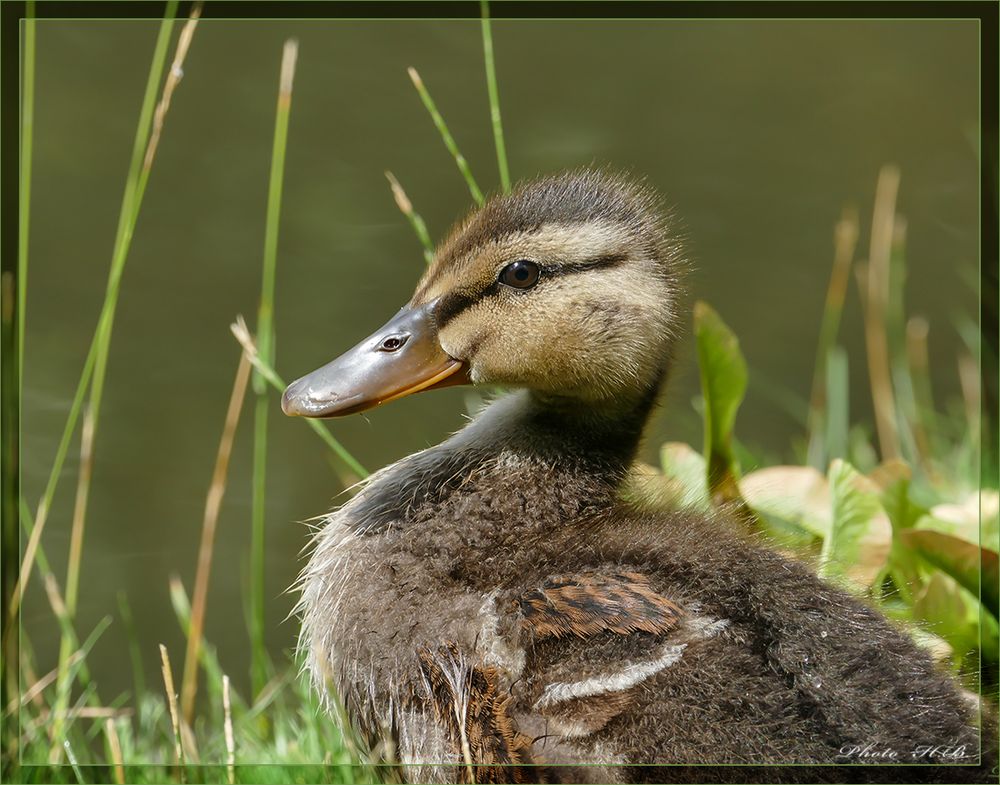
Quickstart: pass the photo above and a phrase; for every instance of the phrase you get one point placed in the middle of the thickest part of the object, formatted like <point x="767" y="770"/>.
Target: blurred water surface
<point x="757" y="131"/>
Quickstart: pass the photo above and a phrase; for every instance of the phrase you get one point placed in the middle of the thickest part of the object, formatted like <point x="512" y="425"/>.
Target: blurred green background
<point x="757" y="131"/>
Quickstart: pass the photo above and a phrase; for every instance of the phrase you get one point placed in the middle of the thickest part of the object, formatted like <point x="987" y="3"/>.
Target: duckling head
<point x="567" y="286"/>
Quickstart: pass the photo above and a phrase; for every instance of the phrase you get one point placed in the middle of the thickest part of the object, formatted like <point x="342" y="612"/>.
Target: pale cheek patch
<point x="592" y="333"/>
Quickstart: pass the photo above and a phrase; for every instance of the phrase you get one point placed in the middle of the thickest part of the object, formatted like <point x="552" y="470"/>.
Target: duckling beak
<point x="401" y="357"/>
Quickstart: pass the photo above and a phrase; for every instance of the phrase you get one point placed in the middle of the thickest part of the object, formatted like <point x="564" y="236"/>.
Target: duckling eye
<point x="521" y="274"/>
<point x="393" y="343"/>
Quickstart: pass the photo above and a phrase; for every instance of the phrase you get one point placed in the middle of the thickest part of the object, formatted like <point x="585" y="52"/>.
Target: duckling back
<point x="503" y="614"/>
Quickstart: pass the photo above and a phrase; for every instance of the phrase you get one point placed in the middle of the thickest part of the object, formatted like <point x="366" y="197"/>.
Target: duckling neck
<point x="570" y="454"/>
<point x="564" y="432"/>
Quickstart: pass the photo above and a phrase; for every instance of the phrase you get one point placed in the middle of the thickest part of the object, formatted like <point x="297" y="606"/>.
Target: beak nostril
<point x="393" y="343"/>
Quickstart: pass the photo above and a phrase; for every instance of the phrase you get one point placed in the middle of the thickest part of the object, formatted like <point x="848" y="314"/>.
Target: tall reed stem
<point x="416" y="222"/>
<point x="213" y="504"/>
<point x="494" y="93"/>
<point x="243" y="337"/>
<point x="876" y="290"/>
<point x="12" y="324"/>
<point x="845" y="240"/>
<point x="446" y="137"/>
<point x="265" y="338"/>
<point x="175" y="717"/>
<point x="138" y="177"/>
<point x="24" y="191"/>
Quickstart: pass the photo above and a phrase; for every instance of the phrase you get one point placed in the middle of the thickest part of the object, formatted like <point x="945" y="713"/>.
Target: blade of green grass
<point x="406" y="208"/>
<point x="491" y="86"/>
<point x="14" y="297"/>
<point x="837" y="402"/>
<point x="131" y="201"/>
<point x="41" y="514"/>
<point x="24" y="195"/>
<point x="265" y="337"/>
<point x="150" y="127"/>
<point x="50" y="582"/>
<point x="242" y="335"/>
<point x="71" y="757"/>
<point x="446" y="137"/>
<point x="902" y="379"/>
<point x="207" y="656"/>
<point x="134" y="653"/>
<point x="923" y="399"/>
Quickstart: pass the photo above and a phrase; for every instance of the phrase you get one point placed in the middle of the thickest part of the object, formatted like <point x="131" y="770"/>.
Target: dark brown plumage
<point x="494" y="607"/>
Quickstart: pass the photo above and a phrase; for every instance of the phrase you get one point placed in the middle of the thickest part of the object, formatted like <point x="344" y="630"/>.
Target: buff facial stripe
<point x="452" y="305"/>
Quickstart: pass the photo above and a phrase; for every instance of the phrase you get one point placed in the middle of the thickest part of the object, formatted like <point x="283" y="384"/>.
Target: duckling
<point x="494" y="609"/>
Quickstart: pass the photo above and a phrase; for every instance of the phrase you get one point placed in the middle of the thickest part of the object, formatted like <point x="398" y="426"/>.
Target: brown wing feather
<point x="497" y="750"/>
<point x="589" y="603"/>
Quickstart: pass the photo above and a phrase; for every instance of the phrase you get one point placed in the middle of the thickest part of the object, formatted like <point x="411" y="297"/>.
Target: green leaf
<point x="852" y="509"/>
<point x="963" y="561"/>
<point x="893" y="480"/>
<point x="954" y="614"/>
<point x="684" y="469"/>
<point x="972" y="518"/>
<point x="797" y="495"/>
<point x="892" y="477"/>
<point x="723" y="383"/>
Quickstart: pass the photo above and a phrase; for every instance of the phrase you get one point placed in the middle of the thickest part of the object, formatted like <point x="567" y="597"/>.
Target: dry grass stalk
<point x="55" y="598"/>
<point x="80" y="510"/>
<point x="968" y="375"/>
<point x="116" y="750"/>
<point x="242" y="334"/>
<point x="41" y="515"/>
<point x="29" y="560"/>
<point x="95" y="368"/>
<point x="876" y="289"/>
<point x="99" y="712"/>
<point x="174" y="77"/>
<point x="175" y="717"/>
<point x="34" y="691"/>
<point x="246" y="341"/>
<point x="73" y="575"/>
<point x="416" y="221"/>
<point x="227" y="711"/>
<point x="289" y="56"/>
<point x="213" y="503"/>
<point x="845" y="242"/>
<point x="190" y="745"/>
<point x="402" y="200"/>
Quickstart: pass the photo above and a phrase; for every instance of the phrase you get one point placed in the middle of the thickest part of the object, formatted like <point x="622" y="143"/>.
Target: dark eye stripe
<point x="608" y="260"/>
<point x="452" y="305"/>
